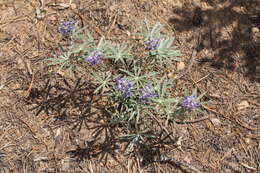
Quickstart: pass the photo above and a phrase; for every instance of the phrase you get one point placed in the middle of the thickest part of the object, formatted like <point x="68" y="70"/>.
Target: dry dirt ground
<point x="44" y="127"/>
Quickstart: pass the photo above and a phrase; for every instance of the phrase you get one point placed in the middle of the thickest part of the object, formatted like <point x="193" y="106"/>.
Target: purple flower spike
<point x="147" y="92"/>
<point x="124" y="85"/>
<point x="151" y="44"/>
<point x="66" y="27"/>
<point x="94" y="58"/>
<point x="190" y="102"/>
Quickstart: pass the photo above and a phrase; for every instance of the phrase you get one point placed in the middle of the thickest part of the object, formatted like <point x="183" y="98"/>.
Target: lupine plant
<point x="147" y="92"/>
<point x="124" y="86"/>
<point x="93" y="58"/>
<point x="190" y="102"/>
<point x="132" y="93"/>
<point x="159" y="46"/>
<point x="66" y="27"/>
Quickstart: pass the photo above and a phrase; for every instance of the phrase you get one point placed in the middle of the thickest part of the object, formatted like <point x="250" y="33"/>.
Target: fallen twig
<point x="162" y="127"/>
<point x="239" y="122"/>
<point x="30" y="86"/>
<point x="236" y="120"/>
<point x="216" y="112"/>
<point x="194" y="121"/>
<point x="111" y="26"/>
<point x="165" y="159"/>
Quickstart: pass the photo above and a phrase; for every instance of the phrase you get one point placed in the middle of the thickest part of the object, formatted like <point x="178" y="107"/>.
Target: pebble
<point x="255" y="30"/>
<point x="180" y="66"/>
<point x="73" y="6"/>
<point x="170" y="75"/>
<point x="215" y="121"/>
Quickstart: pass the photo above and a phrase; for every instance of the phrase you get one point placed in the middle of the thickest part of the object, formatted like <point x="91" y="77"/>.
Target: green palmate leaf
<point x="162" y="87"/>
<point x="165" y="52"/>
<point x="137" y="76"/>
<point x="101" y="44"/>
<point x="63" y="60"/>
<point x="194" y="92"/>
<point x="132" y="143"/>
<point x="84" y="37"/>
<point x="103" y="81"/>
<point x="119" y="53"/>
<point x="155" y="32"/>
<point x="160" y="53"/>
<point x="146" y="30"/>
<point x="84" y="42"/>
<point x="202" y="95"/>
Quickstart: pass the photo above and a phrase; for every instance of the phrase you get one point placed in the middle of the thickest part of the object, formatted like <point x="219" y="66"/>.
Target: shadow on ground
<point x="73" y="106"/>
<point x="230" y="29"/>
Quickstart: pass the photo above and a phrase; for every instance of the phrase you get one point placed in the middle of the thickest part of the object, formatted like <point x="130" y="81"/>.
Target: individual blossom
<point x="94" y="58"/>
<point x="123" y="85"/>
<point x="66" y="27"/>
<point x="147" y="92"/>
<point x="151" y="44"/>
<point x="190" y="102"/>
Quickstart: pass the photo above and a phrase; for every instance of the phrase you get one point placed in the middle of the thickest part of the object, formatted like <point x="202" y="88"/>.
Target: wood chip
<point x="215" y="121"/>
<point x="243" y="105"/>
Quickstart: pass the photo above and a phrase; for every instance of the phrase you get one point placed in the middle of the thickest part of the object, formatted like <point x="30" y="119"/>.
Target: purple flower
<point x="147" y="92"/>
<point x="124" y="85"/>
<point x="190" y="102"/>
<point x="94" y="58"/>
<point x="66" y="27"/>
<point x="151" y="44"/>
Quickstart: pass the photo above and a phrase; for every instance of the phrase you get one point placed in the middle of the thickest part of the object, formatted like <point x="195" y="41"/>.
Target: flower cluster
<point x="151" y="44"/>
<point x="124" y="86"/>
<point x="94" y="58"/>
<point x="147" y="92"/>
<point x="66" y="27"/>
<point x="190" y="102"/>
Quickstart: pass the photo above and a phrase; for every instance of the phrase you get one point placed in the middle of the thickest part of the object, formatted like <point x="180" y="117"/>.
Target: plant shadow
<point x="73" y="104"/>
<point x="150" y="153"/>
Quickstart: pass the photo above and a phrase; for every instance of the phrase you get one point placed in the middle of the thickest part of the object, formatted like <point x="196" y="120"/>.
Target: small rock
<point x="170" y="75"/>
<point x="247" y="140"/>
<point x="215" y="121"/>
<point x="52" y="18"/>
<point x="73" y="6"/>
<point x="40" y="13"/>
<point x="65" y="164"/>
<point x="255" y="30"/>
<point x="178" y="143"/>
<point x="187" y="158"/>
<point x="164" y="10"/>
<point x="180" y="66"/>
<point x="62" y="6"/>
<point x="20" y="64"/>
<point x="243" y="105"/>
<point x="58" y="132"/>
<point x="128" y="33"/>
<point x="61" y="73"/>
